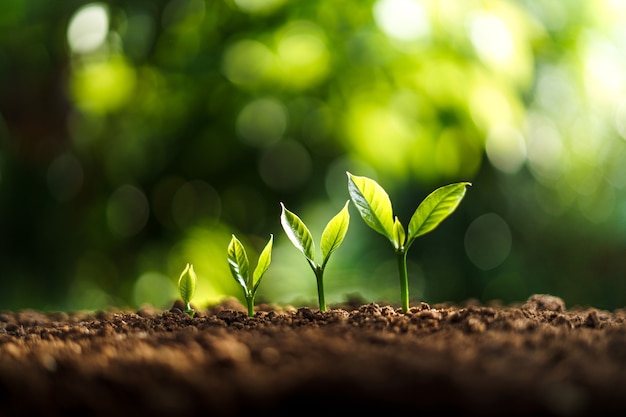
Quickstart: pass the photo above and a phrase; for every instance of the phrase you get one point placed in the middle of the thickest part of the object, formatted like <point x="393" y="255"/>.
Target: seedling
<point x="187" y="288"/>
<point x="239" y="265"/>
<point x="301" y="237"/>
<point x="374" y="206"/>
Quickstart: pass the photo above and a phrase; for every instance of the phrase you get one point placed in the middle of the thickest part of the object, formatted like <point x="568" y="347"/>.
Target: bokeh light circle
<point x="127" y="211"/>
<point x="285" y="166"/>
<point x="488" y="241"/>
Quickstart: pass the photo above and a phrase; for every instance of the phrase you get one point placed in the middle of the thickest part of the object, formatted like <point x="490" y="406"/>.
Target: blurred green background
<point x="137" y="136"/>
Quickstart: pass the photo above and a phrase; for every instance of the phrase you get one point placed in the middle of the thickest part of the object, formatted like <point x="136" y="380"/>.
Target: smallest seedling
<point x="187" y="288"/>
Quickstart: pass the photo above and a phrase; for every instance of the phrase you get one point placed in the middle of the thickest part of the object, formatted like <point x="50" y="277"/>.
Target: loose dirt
<point x="536" y="358"/>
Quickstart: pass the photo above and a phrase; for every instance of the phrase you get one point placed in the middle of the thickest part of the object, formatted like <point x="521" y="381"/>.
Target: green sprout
<point x="187" y="287"/>
<point x="332" y="236"/>
<point x="239" y="265"/>
<point x="374" y="206"/>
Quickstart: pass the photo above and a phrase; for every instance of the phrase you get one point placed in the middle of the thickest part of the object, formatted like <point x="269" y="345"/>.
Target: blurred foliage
<point x="137" y="136"/>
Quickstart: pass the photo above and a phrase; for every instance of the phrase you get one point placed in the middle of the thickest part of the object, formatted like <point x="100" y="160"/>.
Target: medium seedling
<point x="374" y="206"/>
<point x="301" y="237"/>
<point x="187" y="288"/>
<point x="239" y="266"/>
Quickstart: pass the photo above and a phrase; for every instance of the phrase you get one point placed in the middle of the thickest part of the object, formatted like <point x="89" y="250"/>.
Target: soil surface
<point x="536" y="358"/>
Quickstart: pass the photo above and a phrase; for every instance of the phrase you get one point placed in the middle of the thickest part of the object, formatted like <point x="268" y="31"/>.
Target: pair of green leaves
<point x="332" y="237"/>
<point x="240" y="265"/>
<point x="374" y="206"/>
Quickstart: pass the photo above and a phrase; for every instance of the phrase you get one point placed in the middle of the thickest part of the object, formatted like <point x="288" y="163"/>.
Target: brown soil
<point x="538" y="358"/>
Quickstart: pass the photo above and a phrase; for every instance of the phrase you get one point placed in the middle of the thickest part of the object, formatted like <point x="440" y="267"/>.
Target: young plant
<point x="187" y="288"/>
<point x="374" y="206"/>
<point x="239" y="265"/>
<point x="301" y="237"/>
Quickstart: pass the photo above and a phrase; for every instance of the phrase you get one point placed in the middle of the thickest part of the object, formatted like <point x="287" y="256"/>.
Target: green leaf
<point x="435" y="208"/>
<point x="373" y="204"/>
<point x="398" y="233"/>
<point x="335" y="232"/>
<point x="298" y="233"/>
<point x="238" y="262"/>
<point x="187" y="283"/>
<point x="264" y="262"/>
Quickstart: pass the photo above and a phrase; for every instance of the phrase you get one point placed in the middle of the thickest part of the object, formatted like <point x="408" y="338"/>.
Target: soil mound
<point x="536" y="358"/>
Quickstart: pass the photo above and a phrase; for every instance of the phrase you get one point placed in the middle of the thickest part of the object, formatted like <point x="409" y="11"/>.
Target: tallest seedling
<point x="374" y="206"/>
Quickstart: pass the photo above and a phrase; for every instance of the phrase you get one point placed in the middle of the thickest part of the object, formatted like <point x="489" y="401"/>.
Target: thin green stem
<point x="250" y="303"/>
<point x="404" y="279"/>
<point x="319" y="276"/>
<point x="190" y="311"/>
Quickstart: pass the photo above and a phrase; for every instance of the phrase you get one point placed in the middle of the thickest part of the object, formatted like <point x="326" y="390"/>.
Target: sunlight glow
<point x="620" y="119"/>
<point x="491" y="38"/>
<point x="302" y="53"/>
<point x="605" y="68"/>
<point x="490" y="106"/>
<point x="103" y="86"/>
<point x="88" y="28"/>
<point x="506" y="149"/>
<point x="382" y="136"/>
<point x="404" y="20"/>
